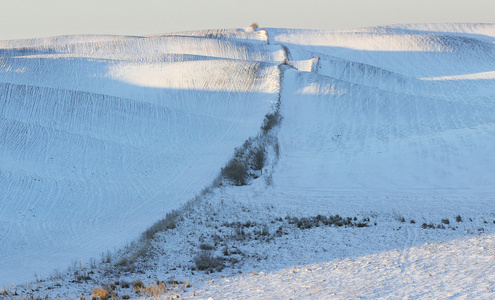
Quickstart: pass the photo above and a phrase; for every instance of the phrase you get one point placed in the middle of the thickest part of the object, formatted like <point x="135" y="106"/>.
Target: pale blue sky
<point x="42" y="18"/>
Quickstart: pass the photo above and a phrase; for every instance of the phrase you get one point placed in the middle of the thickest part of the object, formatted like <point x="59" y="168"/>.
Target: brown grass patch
<point x="98" y="293"/>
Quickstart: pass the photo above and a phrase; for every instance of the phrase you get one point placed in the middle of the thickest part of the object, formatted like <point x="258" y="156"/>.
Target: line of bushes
<point x="251" y="157"/>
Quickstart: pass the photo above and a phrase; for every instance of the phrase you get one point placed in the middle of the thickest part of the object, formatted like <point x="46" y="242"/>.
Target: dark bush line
<point x="432" y="226"/>
<point x="250" y="158"/>
<point x="319" y="220"/>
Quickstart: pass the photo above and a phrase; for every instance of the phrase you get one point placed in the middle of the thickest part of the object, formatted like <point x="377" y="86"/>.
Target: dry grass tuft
<point x="98" y="293"/>
<point x="155" y="289"/>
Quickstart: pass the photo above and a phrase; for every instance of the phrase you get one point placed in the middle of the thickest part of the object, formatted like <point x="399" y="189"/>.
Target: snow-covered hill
<point x="101" y="136"/>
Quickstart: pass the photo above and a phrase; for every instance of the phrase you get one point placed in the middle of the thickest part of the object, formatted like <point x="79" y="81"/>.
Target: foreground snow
<point x="461" y="269"/>
<point x="392" y="257"/>
<point x="392" y="127"/>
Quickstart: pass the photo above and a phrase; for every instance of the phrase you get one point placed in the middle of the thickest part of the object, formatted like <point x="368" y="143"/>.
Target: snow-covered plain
<point x="101" y="136"/>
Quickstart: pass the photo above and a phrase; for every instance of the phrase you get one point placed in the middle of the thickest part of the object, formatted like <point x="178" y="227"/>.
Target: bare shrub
<point x="206" y="261"/>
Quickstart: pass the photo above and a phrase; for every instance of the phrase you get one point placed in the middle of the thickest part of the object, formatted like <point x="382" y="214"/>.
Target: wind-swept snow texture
<point x="101" y="136"/>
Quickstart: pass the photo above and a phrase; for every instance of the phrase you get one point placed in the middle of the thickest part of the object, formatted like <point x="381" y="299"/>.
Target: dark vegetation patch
<point x="320" y="220"/>
<point x="252" y="156"/>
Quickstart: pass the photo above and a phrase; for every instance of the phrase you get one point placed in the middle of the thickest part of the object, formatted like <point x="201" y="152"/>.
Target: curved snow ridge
<point x="409" y="37"/>
<point x="415" y="55"/>
<point x="218" y="75"/>
<point x="459" y="88"/>
<point x="369" y="41"/>
<point x="482" y="31"/>
<point x="250" y="34"/>
<point x="475" y="76"/>
<point x="148" y="58"/>
<point x="469" y="94"/>
<point x="361" y="74"/>
<point x="62" y="40"/>
<point x="172" y="45"/>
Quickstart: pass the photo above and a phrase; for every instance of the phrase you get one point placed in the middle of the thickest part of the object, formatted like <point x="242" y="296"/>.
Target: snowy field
<point x="390" y="128"/>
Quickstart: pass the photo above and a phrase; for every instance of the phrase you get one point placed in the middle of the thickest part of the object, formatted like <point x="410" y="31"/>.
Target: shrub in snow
<point x="205" y="261"/>
<point x="270" y="121"/>
<point x="425" y="226"/>
<point x="258" y="158"/>
<point x="458" y="218"/>
<point x="235" y="172"/>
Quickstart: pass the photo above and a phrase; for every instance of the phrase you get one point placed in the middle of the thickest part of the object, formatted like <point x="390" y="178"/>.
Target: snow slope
<point x="101" y="136"/>
<point x="394" y="122"/>
<point x="388" y="109"/>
